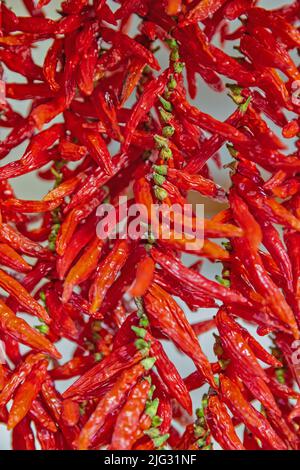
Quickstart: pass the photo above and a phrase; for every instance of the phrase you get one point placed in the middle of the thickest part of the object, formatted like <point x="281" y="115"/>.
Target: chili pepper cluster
<point x="106" y="120"/>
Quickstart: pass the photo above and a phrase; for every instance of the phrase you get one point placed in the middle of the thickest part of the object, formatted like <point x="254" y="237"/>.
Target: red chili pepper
<point x="235" y="8"/>
<point x="19" y="376"/>
<point x="61" y="322"/>
<point x="144" y="277"/>
<point x="70" y="412"/>
<point x="205" y="121"/>
<point x="152" y="90"/>
<point x="9" y="257"/>
<point x="76" y="366"/>
<point x="170" y="375"/>
<point x="26" y="393"/>
<point x="80" y="239"/>
<point x="128" y="419"/>
<point x="174" y="323"/>
<point x="254" y="420"/>
<point x="107" y="369"/>
<point x="195" y="280"/>
<point x="72" y="220"/>
<point x="133" y="76"/>
<point x="41" y="416"/>
<point x="125" y="42"/>
<point x="23" y="437"/>
<point x="46" y="438"/>
<point x="21" y="331"/>
<point x="83" y="268"/>
<point x="107" y="273"/>
<point x="265" y="285"/>
<point x="201" y="11"/>
<point x="108" y="403"/>
<point x="17" y="290"/>
<point x="220" y="424"/>
<point x="239" y="351"/>
<point x="196" y="183"/>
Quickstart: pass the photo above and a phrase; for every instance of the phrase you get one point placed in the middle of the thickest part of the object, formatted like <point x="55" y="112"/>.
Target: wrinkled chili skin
<point x="113" y="113"/>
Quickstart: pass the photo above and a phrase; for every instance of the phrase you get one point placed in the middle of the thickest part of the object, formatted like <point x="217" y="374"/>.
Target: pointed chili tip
<point x="55" y="353"/>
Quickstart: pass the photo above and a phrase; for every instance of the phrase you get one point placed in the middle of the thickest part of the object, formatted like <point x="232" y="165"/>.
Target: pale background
<point x="29" y="187"/>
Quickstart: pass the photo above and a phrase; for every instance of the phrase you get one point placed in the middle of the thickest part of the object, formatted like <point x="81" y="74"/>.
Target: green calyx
<point x="244" y="106"/>
<point x="172" y="84"/>
<point x="148" y="363"/>
<point x="161" y="169"/>
<point x="160" y="440"/>
<point x="142" y="345"/>
<point x="232" y="150"/>
<point x="44" y="329"/>
<point x="160" y="193"/>
<point x="98" y="357"/>
<point x="224" y="363"/>
<point x="152" y="433"/>
<point x="156" y="421"/>
<point x="165" y="115"/>
<point x="223" y="282"/>
<point x="58" y="176"/>
<point x="140" y="306"/>
<point x="172" y="43"/>
<point x="280" y="375"/>
<point x="198" y="430"/>
<point x="168" y="131"/>
<point x="151" y="391"/>
<point x="235" y="93"/>
<point x="140" y="332"/>
<point x="178" y="67"/>
<point x="53" y="236"/>
<point x="166" y="153"/>
<point x="144" y="322"/>
<point x="227" y="246"/>
<point x="158" y="179"/>
<point x="174" y="55"/>
<point x="161" y="142"/>
<point x="151" y="237"/>
<point x="166" y="104"/>
<point x="152" y="407"/>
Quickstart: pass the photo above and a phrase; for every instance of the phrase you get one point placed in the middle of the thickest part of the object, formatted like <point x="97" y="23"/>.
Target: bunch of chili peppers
<point x="106" y="120"/>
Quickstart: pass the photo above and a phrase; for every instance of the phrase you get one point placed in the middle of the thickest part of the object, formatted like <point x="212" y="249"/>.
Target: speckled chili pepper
<point x="254" y="420"/>
<point x="107" y="274"/>
<point x="220" y="424"/>
<point x="128" y="419"/>
<point x="111" y="400"/>
<point x="26" y="393"/>
<point x="20" y="330"/>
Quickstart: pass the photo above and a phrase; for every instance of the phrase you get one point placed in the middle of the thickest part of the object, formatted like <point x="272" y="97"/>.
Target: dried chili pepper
<point x="25" y="395"/>
<point x="107" y="273"/>
<point x="129" y="416"/>
<point x="21" y="331"/>
<point x="221" y="425"/>
<point x="111" y="400"/>
<point x="254" y="420"/>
